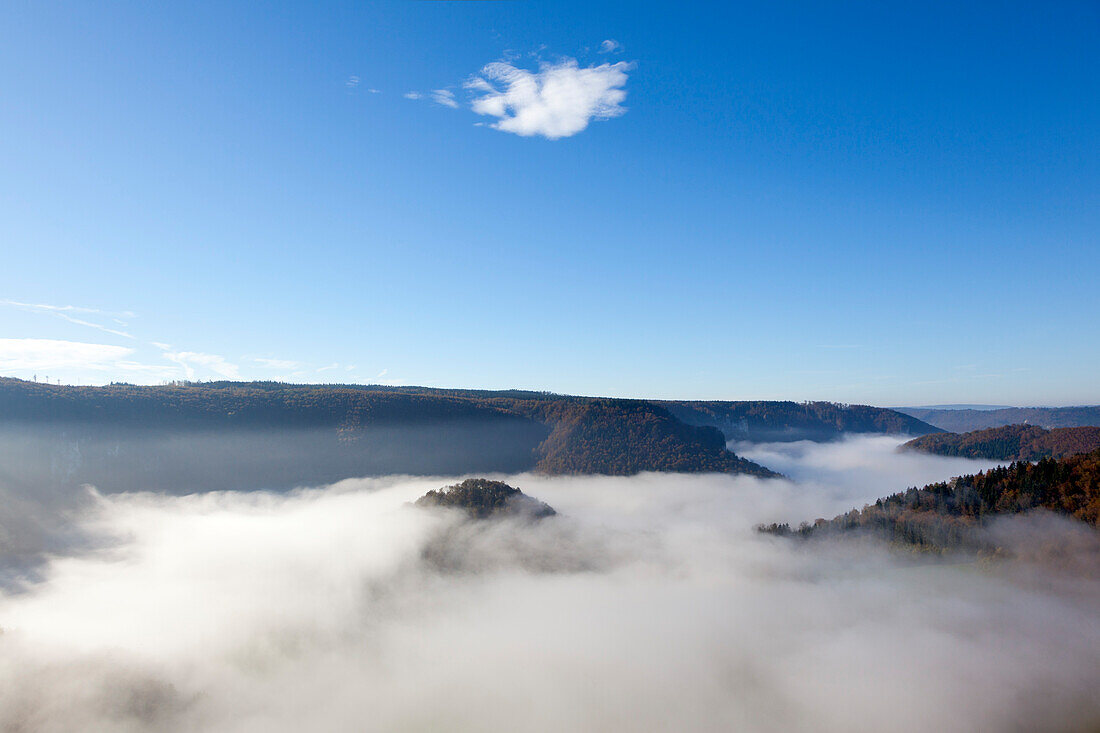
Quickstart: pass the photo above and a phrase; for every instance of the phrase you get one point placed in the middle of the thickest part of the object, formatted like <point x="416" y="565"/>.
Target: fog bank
<point x="648" y="604"/>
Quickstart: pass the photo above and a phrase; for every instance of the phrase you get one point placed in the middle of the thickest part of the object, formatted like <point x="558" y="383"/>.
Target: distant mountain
<point x="955" y="407"/>
<point x="1010" y="443"/>
<point x="962" y="421"/>
<point x="949" y="515"/>
<point x="226" y="435"/>
<point x="243" y="435"/>
<point x="789" y="421"/>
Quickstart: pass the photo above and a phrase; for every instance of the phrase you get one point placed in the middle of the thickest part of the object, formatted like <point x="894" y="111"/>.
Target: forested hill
<point x="229" y="435"/>
<point x="962" y="421"/>
<point x="1010" y="443"/>
<point x="949" y="515"/>
<point x="788" y="421"/>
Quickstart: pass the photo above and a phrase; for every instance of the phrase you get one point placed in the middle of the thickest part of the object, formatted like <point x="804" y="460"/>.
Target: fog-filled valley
<point x="528" y="367"/>
<point x="648" y="602"/>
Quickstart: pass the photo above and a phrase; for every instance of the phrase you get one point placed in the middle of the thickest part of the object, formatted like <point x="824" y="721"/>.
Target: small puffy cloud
<point x="611" y="46"/>
<point x="352" y="82"/>
<point x="445" y="97"/>
<point x="558" y="100"/>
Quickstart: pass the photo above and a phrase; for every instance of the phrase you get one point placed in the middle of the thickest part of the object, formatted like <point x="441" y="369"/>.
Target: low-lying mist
<point x="647" y="604"/>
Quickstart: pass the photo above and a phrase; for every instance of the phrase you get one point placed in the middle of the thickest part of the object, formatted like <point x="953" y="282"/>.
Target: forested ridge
<point x="948" y="515"/>
<point x="245" y="434"/>
<point x="1010" y="443"/>
<point x="186" y="437"/>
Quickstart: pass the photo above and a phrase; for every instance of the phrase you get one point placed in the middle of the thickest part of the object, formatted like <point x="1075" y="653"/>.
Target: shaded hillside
<point x="625" y="437"/>
<point x="964" y="421"/>
<point x="191" y="437"/>
<point x="949" y="514"/>
<point x="789" y="421"/>
<point x="1010" y="443"/>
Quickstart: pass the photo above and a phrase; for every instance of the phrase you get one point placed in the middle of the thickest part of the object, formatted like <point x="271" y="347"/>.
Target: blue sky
<point x="891" y="205"/>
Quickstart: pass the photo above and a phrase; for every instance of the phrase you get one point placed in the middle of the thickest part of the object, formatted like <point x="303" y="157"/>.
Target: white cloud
<point x="26" y="354"/>
<point x="75" y="359"/>
<point x="558" y="100"/>
<point x="444" y="97"/>
<point x="611" y="46"/>
<point x="413" y="95"/>
<point x="352" y="82"/>
<point x="66" y="312"/>
<point x="322" y="608"/>
<point x="189" y="360"/>
<point x="372" y="90"/>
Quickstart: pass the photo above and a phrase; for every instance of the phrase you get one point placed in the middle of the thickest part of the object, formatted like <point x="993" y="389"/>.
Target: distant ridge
<point x="956" y="407"/>
<point x="762" y="421"/>
<point x="240" y="435"/>
<point x="966" y="420"/>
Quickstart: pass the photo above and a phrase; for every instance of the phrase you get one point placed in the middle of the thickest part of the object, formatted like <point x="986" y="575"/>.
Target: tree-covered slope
<point x="948" y="515"/>
<point x="624" y="437"/>
<point x="1010" y="443"/>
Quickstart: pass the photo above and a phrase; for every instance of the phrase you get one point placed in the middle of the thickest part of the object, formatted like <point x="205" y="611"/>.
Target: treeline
<point x="947" y="515"/>
<point x="1010" y="443"/>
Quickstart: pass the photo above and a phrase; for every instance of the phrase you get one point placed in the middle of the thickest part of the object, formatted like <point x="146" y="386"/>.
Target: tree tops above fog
<point x="1010" y="443"/>
<point x="482" y="499"/>
<point x="946" y="515"/>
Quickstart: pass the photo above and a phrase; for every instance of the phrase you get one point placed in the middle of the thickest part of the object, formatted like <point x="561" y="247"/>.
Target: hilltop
<point x="481" y="499"/>
<point x="1010" y="443"/>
